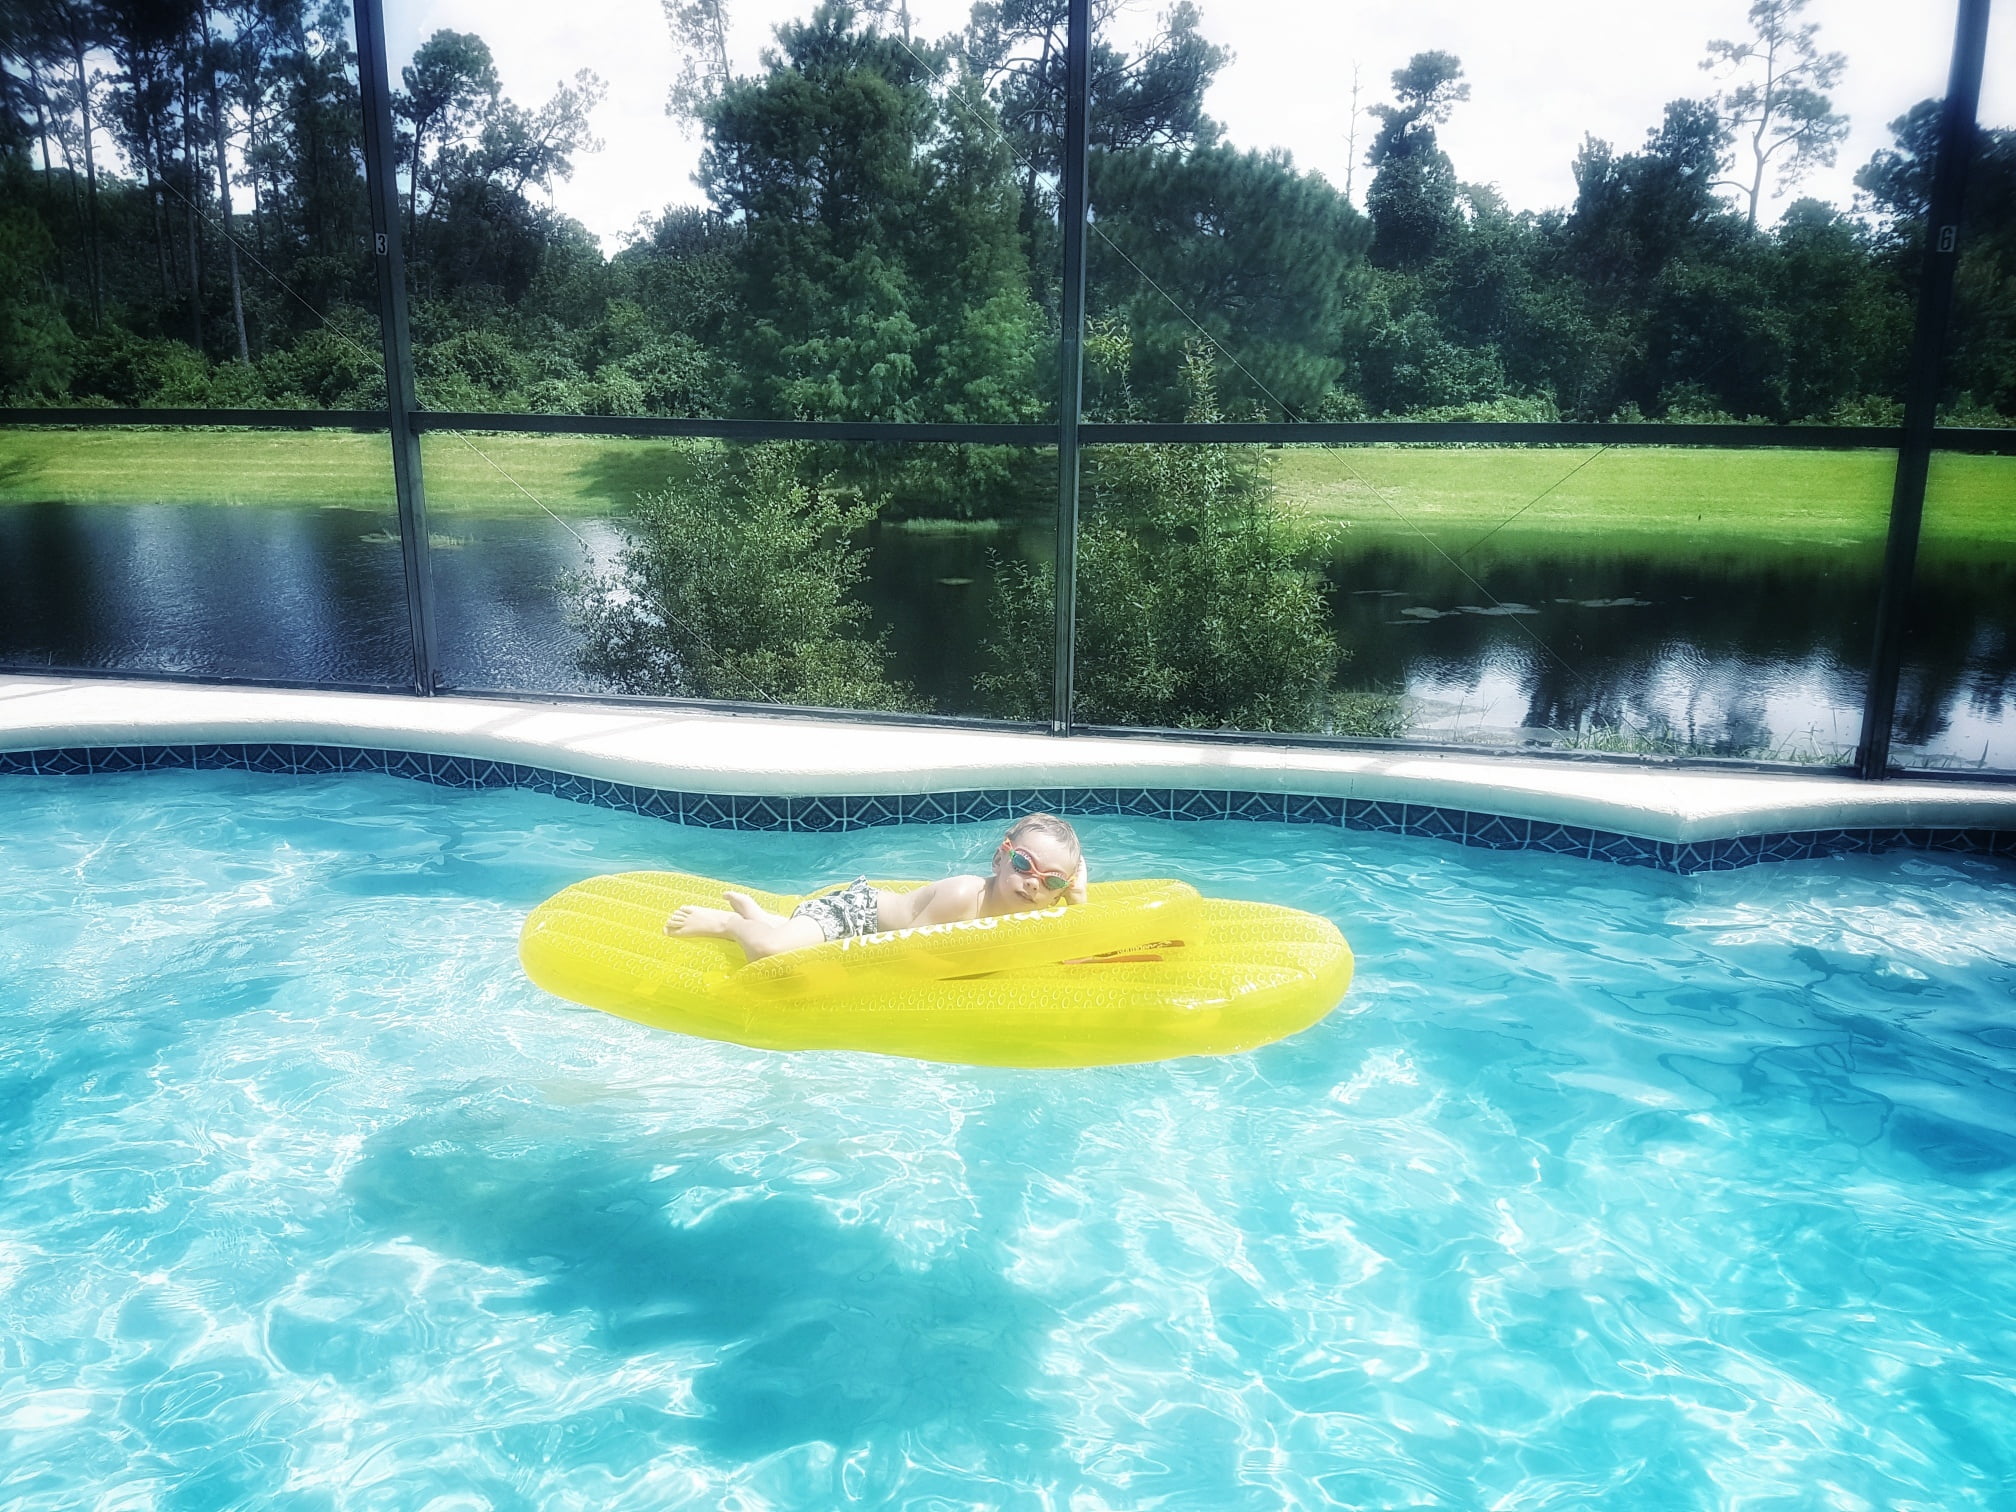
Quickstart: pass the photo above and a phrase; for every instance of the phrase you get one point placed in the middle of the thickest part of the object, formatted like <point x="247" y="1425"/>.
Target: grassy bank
<point x="195" y="467"/>
<point x="1805" y="498"/>
<point x="568" y="474"/>
<point x="1645" y="498"/>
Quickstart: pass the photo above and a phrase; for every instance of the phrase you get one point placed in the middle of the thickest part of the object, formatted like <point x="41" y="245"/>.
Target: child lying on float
<point x="1038" y="864"/>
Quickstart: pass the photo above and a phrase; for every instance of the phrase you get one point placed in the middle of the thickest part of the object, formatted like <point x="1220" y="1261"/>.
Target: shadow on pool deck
<point x="828" y="1333"/>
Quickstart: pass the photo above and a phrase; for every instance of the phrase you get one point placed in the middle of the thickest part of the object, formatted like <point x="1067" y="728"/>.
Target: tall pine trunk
<point x="413" y="204"/>
<point x="147" y="129"/>
<point x="252" y="182"/>
<point x="41" y="121"/>
<point x="94" y="253"/>
<point x="76" y="210"/>
<point x="48" y="167"/>
<point x="224" y="193"/>
<point x="168" y="228"/>
<point x="157" y="205"/>
<point x="193" y="177"/>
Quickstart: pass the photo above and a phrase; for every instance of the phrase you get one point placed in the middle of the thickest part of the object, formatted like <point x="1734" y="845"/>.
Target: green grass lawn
<point x="1631" y="496"/>
<point x="568" y="474"/>
<point x="1642" y="498"/>
<point x="195" y="467"/>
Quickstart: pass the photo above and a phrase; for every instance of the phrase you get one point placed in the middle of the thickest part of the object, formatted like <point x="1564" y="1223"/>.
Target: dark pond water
<point x="1739" y="653"/>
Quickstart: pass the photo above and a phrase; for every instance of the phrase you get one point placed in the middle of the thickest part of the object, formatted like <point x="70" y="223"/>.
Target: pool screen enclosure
<point x="407" y="423"/>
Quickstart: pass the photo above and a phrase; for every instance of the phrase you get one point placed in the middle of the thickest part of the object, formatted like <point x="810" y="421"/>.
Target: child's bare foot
<point x="707" y="923"/>
<point x="747" y="906"/>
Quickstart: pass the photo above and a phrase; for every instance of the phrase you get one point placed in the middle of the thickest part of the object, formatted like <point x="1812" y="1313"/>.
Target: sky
<point x="1541" y="74"/>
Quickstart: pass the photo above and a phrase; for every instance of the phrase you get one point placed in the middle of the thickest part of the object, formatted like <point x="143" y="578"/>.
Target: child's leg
<point x="759" y="932"/>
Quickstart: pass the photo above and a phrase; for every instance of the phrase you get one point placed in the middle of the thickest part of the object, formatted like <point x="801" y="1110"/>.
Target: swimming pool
<point x="1623" y="1188"/>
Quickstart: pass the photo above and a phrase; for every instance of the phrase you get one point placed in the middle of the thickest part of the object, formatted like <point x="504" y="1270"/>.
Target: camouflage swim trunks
<point x="850" y="911"/>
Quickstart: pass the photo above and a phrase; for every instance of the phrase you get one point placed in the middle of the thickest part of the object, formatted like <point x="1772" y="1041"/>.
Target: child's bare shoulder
<point x="949" y="899"/>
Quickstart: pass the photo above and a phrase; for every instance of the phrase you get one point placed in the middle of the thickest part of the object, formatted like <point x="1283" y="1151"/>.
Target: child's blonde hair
<point x="1050" y="827"/>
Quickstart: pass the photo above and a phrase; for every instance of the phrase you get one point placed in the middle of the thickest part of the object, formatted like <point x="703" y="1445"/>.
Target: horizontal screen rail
<point x="1547" y="433"/>
<point x="646" y="427"/>
<point x="1978" y="440"/>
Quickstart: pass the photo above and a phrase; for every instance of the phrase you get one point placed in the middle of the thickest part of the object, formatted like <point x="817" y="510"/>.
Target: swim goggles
<point x="1025" y="864"/>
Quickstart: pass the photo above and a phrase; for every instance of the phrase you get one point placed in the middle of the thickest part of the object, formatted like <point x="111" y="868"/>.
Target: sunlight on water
<point x="1621" y="1190"/>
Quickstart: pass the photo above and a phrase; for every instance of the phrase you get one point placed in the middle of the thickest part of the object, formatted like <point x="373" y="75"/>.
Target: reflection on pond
<point x="1750" y="656"/>
<point x="1758" y="654"/>
<point x="303" y="595"/>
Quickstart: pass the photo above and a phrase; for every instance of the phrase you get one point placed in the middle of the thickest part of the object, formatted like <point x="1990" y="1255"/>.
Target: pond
<point x="1752" y="653"/>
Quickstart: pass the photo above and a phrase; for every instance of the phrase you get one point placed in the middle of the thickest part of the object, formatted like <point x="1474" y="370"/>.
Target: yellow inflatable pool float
<point x="1140" y="971"/>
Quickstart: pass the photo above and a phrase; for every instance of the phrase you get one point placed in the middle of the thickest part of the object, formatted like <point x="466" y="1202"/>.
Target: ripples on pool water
<point x="1618" y="1189"/>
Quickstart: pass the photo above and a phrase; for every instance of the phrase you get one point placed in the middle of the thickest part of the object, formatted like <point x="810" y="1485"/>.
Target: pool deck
<point x="710" y="752"/>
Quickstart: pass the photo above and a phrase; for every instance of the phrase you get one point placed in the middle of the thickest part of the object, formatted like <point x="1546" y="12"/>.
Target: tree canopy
<point x="182" y="220"/>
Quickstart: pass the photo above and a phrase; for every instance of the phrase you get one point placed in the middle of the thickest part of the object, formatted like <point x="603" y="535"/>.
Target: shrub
<point x="1405" y="364"/>
<point x="475" y="367"/>
<point x="1197" y="606"/>
<point x="1369" y="714"/>
<point x="1693" y="404"/>
<point x="1966" y="410"/>
<point x="1867" y="409"/>
<point x="337" y="366"/>
<point x="1520" y="409"/>
<point x="613" y="392"/>
<point x="674" y="375"/>
<point x="140" y="371"/>
<point x="738" y="582"/>
<point x="555" y="396"/>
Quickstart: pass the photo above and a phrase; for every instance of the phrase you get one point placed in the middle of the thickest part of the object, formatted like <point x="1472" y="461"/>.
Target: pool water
<point x="1618" y="1189"/>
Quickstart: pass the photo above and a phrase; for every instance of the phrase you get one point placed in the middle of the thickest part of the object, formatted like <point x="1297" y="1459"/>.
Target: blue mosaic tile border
<point x="992" y="805"/>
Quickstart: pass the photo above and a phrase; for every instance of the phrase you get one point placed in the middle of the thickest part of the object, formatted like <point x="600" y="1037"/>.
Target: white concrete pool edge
<point x="700" y="752"/>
